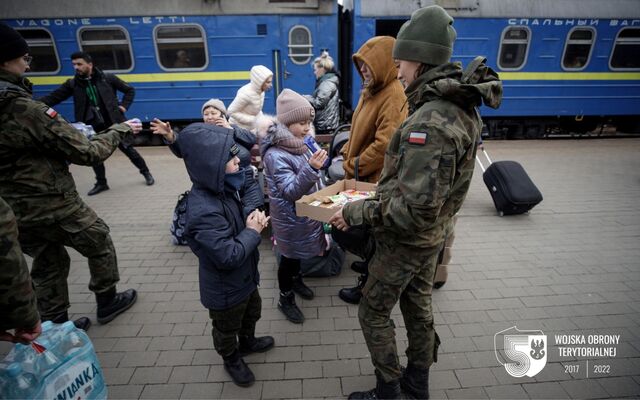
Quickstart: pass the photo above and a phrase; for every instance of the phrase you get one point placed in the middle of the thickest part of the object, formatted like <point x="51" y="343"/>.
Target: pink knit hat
<point x="292" y="107"/>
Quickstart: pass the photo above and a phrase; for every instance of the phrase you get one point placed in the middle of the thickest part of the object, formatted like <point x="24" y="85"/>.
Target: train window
<point x="109" y="47"/>
<point x="300" y="44"/>
<point x="626" y="50"/>
<point x="514" y="47"/>
<point x="181" y="47"/>
<point x="43" y="50"/>
<point x="577" y="49"/>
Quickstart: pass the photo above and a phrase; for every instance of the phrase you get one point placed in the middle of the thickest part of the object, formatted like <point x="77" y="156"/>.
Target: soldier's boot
<point x="251" y="344"/>
<point x="383" y="390"/>
<point x="354" y="294"/>
<point x="287" y="304"/>
<point x="303" y="290"/>
<point x="112" y="304"/>
<point x="415" y="382"/>
<point x="238" y="370"/>
<point x="83" y="323"/>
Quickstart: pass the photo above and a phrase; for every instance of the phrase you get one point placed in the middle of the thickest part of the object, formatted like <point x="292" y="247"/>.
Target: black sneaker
<point x="252" y="344"/>
<point x="112" y="304"/>
<point x="302" y="289"/>
<point x="148" y="178"/>
<point x="238" y="370"/>
<point x="287" y="305"/>
<point x="83" y="323"/>
<point x="97" y="188"/>
<point x="354" y="294"/>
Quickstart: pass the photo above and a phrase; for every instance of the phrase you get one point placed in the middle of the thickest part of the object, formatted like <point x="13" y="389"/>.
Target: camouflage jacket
<point x="36" y="145"/>
<point x="430" y="159"/>
<point x="17" y="297"/>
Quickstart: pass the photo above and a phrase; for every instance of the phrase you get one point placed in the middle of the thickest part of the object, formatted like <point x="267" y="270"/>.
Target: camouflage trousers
<point x="51" y="262"/>
<point x="238" y="320"/>
<point x="405" y="274"/>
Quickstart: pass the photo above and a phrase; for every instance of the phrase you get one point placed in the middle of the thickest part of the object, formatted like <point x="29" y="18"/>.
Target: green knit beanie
<point x="427" y="37"/>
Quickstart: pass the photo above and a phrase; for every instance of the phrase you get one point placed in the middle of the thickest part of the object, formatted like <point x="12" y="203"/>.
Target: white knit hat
<point x="260" y="73"/>
<point x="215" y="103"/>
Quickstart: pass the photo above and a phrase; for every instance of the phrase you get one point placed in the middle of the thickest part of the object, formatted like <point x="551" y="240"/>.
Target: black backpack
<point x="179" y="220"/>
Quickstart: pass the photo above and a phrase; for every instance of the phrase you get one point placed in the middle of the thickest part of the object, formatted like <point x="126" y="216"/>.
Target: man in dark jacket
<point x="225" y="240"/>
<point x="95" y="102"/>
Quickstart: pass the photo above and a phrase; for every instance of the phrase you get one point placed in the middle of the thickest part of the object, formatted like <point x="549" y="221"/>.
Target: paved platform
<point x="570" y="267"/>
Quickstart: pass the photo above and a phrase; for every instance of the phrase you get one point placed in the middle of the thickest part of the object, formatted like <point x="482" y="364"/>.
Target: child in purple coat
<point x="291" y="174"/>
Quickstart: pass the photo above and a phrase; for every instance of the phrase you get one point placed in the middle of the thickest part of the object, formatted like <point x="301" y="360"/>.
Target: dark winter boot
<point x="415" y="382"/>
<point x="287" y="304"/>
<point x="354" y="294"/>
<point x="361" y="267"/>
<point x="302" y="289"/>
<point x="238" y="370"/>
<point x="252" y="344"/>
<point x="383" y="390"/>
<point x="83" y="323"/>
<point x="148" y="178"/>
<point x="112" y="304"/>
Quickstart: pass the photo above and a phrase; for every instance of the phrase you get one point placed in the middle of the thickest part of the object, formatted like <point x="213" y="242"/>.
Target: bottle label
<point x="77" y="381"/>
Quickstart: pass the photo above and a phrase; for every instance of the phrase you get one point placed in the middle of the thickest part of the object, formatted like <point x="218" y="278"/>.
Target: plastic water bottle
<point x="21" y="382"/>
<point x="72" y="340"/>
<point x="86" y="130"/>
<point x="68" y="368"/>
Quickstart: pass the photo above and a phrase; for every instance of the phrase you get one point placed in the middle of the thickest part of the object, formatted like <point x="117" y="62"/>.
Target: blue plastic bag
<point x="60" y="365"/>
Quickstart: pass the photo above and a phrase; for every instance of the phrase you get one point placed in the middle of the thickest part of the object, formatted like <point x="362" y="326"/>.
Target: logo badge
<point x="521" y="352"/>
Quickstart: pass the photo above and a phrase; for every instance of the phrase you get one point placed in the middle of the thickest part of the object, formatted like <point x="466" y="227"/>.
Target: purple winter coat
<point x="289" y="177"/>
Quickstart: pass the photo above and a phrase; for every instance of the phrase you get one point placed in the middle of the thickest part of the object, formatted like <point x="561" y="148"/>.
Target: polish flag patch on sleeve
<point x="418" y="137"/>
<point x="51" y="113"/>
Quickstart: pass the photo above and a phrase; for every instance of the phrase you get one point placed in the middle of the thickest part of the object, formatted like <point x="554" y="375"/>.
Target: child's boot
<point x="287" y="304"/>
<point x="251" y="344"/>
<point x="303" y="290"/>
<point x="238" y="370"/>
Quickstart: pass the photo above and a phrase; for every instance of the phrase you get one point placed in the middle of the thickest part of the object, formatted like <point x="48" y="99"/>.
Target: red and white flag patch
<point x="51" y="113"/>
<point x="418" y="137"/>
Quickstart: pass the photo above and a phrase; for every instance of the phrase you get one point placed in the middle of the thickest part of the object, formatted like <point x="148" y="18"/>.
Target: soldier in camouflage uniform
<point x="17" y="298"/>
<point x="427" y="172"/>
<point x="36" y="145"/>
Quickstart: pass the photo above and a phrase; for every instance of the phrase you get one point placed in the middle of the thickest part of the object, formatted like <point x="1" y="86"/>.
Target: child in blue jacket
<point x="225" y="240"/>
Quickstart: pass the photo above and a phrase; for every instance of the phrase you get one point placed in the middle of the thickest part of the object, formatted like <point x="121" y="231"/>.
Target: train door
<point x="298" y="50"/>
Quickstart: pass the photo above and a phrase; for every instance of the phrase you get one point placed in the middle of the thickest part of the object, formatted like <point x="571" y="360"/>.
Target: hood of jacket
<point x="271" y="135"/>
<point x="258" y="75"/>
<point x="12" y="86"/>
<point x="205" y="150"/>
<point x="376" y="53"/>
<point x="445" y="82"/>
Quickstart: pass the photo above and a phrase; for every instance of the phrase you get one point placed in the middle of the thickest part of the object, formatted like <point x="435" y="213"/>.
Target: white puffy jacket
<point x="249" y="99"/>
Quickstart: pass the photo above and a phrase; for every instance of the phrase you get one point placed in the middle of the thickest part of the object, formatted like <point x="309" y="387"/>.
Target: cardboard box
<point x="322" y="212"/>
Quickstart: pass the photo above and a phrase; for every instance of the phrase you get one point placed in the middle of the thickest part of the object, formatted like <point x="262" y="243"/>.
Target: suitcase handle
<point x="486" y="155"/>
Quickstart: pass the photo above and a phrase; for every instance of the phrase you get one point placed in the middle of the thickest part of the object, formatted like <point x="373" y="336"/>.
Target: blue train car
<point x="566" y="64"/>
<point x="570" y="64"/>
<point x="177" y="54"/>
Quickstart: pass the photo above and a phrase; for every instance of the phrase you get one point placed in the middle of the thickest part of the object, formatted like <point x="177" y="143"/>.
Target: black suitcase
<point x="511" y="189"/>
